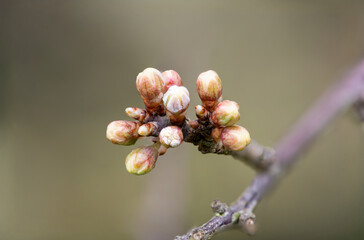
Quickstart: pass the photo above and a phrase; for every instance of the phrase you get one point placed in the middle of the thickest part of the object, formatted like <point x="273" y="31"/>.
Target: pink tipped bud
<point x="226" y="113"/>
<point x="176" y="99"/>
<point x="148" y="129"/>
<point x="171" y="136"/>
<point x="122" y="132"/>
<point x="209" y="88"/>
<point x="171" y="78"/>
<point x="150" y="84"/>
<point x="136" y="113"/>
<point x="201" y="113"/>
<point x="141" y="160"/>
<point x="235" y="138"/>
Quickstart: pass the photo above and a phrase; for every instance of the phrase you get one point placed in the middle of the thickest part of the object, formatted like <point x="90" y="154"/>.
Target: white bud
<point x="176" y="99"/>
<point x="171" y="136"/>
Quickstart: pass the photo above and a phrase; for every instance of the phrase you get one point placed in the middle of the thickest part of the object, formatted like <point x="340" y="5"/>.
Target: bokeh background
<point x="68" y="68"/>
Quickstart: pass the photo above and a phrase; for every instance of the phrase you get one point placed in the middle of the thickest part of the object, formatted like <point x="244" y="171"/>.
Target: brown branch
<point x="255" y="155"/>
<point x="342" y="95"/>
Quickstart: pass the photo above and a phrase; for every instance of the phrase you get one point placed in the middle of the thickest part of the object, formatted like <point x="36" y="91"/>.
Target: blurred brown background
<point x="68" y="68"/>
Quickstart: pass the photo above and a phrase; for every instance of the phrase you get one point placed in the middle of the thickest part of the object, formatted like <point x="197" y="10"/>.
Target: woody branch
<point x="334" y="101"/>
<point x="215" y="131"/>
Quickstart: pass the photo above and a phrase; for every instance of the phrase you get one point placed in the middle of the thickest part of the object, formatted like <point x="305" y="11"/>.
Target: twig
<point x="256" y="155"/>
<point x="359" y="105"/>
<point x="344" y="94"/>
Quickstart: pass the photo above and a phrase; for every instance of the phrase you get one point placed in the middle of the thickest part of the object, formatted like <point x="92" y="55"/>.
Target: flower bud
<point x="136" y="113"/>
<point x="150" y="86"/>
<point x="216" y="134"/>
<point x="209" y="88"/>
<point x="162" y="150"/>
<point x="235" y="138"/>
<point x="226" y="113"/>
<point x="148" y="129"/>
<point x="141" y="160"/>
<point x="171" y="78"/>
<point x="201" y="113"/>
<point x="194" y="124"/>
<point x="150" y="83"/>
<point x="176" y="99"/>
<point x="122" y="132"/>
<point x="171" y="136"/>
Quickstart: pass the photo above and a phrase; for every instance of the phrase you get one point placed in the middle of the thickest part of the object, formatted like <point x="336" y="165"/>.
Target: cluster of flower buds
<point x="223" y="114"/>
<point x="166" y="102"/>
<point x="164" y="118"/>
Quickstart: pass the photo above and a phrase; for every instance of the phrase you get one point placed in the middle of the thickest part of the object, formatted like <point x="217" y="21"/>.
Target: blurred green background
<point x="68" y="68"/>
